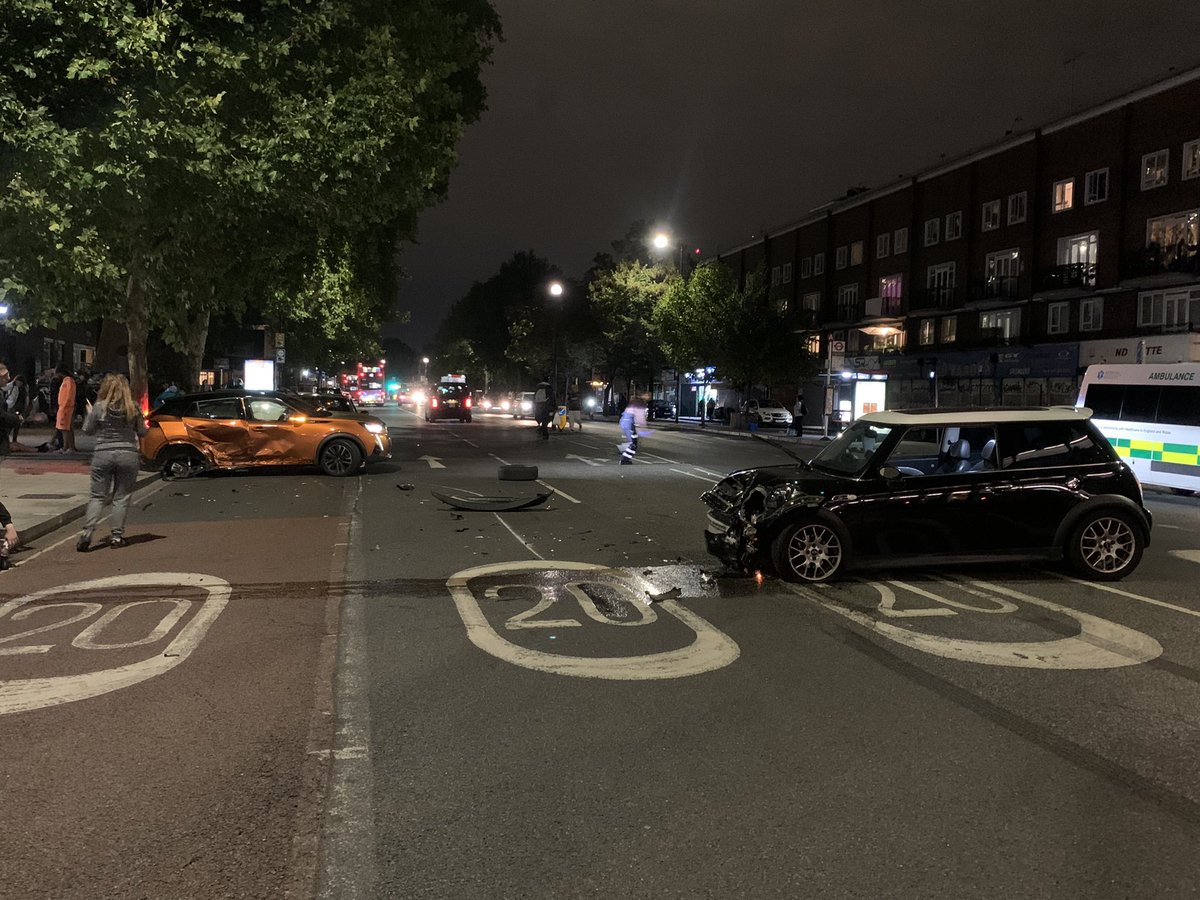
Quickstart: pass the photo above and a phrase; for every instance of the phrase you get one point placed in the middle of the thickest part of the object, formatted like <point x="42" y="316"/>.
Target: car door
<point x="939" y="506"/>
<point x="1044" y="470"/>
<point x="274" y="437"/>
<point x="218" y="428"/>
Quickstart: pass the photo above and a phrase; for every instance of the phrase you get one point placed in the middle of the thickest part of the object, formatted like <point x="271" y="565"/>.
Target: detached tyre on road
<point x="1105" y="545"/>
<point x="809" y="552"/>
<point x="339" y="457"/>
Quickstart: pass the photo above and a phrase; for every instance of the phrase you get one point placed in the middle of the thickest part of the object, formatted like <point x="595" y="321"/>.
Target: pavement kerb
<point x="52" y="524"/>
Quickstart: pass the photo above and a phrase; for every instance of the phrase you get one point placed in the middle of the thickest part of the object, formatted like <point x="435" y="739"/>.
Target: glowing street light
<point x="662" y="241"/>
<point x="556" y="289"/>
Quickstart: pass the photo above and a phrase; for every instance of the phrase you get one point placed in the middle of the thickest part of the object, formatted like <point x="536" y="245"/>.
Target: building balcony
<point x="935" y="298"/>
<point x="1184" y="260"/>
<point x="1072" y="275"/>
<point x="997" y="287"/>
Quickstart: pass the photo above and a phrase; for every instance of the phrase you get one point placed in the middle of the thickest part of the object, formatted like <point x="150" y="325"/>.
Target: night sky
<point x="720" y="120"/>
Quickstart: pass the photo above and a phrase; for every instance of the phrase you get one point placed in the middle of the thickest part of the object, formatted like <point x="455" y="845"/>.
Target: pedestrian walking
<point x="9" y="421"/>
<point x="544" y="405"/>
<point x="117" y="423"/>
<point x="16" y="403"/>
<point x="575" y="406"/>
<point x="710" y="407"/>
<point x="633" y="426"/>
<point x="65" y="419"/>
<point x="799" y="414"/>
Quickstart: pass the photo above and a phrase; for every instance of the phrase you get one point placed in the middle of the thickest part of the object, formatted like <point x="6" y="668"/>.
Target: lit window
<point x="1095" y="187"/>
<point x="1176" y="236"/>
<point x="949" y="329"/>
<point x="891" y="294"/>
<point x="1170" y="310"/>
<point x="883" y="245"/>
<point x="812" y="302"/>
<point x="841" y="256"/>
<point x="1191" y="159"/>
<point x="932" y="229"/>
<point x="1001" y="324"/>
<point x="819" y="264"/>
<point x="787" y="273"/>
<point x="1091" y="314"/>
<point x="1057" y="318"/>
<point x="782" y="306"/>
<point x="990" y="220"/>
<point x="1064" y="194"/>
<point x="1154" y="169"/>
<point x="954" y="226"/>
<point x="1016" y="208"/>
<point x="856" y="253"/>
<point x="900" y="241"/>
<point x="927" y="332"/>
<point x="848" y="309"/>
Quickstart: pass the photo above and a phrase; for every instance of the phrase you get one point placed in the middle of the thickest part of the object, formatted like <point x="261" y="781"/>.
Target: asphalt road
<point x="512" y="720"/>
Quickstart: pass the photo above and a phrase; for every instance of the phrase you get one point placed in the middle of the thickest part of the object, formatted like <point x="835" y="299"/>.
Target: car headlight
<point x="591" y="402"/>
<point x="375" y="427"/>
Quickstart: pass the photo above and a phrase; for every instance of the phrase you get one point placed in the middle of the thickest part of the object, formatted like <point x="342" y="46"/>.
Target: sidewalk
<point x="45" y="491"/>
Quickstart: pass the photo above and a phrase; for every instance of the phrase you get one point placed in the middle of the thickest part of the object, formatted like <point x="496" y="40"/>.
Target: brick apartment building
<point x="1005" y="273"/>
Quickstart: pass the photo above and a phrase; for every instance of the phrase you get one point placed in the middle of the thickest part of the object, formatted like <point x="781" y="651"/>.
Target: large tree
<point x="163" y="161"/>
<point x="623" y="302"/>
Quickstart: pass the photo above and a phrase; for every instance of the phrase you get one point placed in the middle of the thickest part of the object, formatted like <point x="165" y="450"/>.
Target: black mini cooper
<point x="923" y="487"/>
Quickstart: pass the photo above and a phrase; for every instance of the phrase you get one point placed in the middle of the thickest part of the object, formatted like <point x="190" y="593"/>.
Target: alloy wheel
<point x="814" y="552"/>
<point x="1107" y="544"/>
<point x="339" y="458"/>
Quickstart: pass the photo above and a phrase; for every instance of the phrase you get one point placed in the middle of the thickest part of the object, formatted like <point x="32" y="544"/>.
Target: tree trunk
<point x="137" y="320"/>
<point x="194" y="345"/>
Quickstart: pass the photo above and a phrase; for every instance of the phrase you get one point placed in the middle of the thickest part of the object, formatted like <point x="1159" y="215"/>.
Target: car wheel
<point x="1105" y="546"/>
<point x="808" y="551"/>
<point x="181" y="462"/>
<point x="467" y="419"/>
<point x="340" y="457"/>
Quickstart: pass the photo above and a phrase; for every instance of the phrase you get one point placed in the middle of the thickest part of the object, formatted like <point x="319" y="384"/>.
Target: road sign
<point x="279" y="339"/>
<point x="280" y="354"/>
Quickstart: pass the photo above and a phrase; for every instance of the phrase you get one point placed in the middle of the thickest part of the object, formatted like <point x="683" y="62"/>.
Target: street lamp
<point x="555" y="289"/>
<point x="424" y="368"/>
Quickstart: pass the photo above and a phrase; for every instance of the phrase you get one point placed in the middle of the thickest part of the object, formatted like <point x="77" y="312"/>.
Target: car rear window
<point x="452" y="390"/>
<point x="1034" y="445"/>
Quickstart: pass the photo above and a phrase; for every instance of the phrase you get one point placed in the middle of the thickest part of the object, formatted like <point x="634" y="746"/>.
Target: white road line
<point x="717" y="475"/>
<point x="472" y="443"/>
<point x="498" y="459"/>
<point x="693" y="475"/>
<point x="1172" y="527"/>
<point x="562" y="494"/>
<point x="673" y="462"/>
<point x="1114" y="590"/>
<point x="522" y="540"/>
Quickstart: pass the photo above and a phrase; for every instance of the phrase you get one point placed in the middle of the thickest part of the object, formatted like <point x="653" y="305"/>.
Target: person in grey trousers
<point x="117" y="423"/>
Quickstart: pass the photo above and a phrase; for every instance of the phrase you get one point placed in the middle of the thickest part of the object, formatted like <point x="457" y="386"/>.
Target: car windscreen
<point x="853" y="449"/>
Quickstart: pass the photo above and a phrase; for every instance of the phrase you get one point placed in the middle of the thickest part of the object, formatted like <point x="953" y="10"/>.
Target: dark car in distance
<point x="923" y="487"/>
<point x="660" y="409"/>
<point x="449" y="400"/>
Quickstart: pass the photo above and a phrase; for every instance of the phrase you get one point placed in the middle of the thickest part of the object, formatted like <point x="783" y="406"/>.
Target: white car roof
<point x="976" y="416"/>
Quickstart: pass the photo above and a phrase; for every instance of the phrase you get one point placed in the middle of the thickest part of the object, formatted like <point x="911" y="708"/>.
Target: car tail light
<point x="467" y="403"/>
<point x="433" y="402"/>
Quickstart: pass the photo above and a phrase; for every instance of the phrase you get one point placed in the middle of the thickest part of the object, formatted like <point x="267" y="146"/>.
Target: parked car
<point x="235" y="429"/>
<point x="929" y="486"/>
<point x="660" y="409"/>
<point x="766" y="413"/>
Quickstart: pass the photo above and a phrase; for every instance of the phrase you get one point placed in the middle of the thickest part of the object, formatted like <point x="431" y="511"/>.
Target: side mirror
<point x="889" y="473"/>
<point x="297" y="419"/>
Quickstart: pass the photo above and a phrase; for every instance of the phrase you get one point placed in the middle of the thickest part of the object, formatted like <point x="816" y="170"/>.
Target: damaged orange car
<point x="239" y="429"/>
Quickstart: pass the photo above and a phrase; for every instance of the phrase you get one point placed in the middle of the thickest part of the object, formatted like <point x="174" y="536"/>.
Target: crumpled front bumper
<point x="733" y="543"/>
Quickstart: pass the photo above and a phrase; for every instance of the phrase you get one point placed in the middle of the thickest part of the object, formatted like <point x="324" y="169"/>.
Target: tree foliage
<point x="160" y="162"/>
